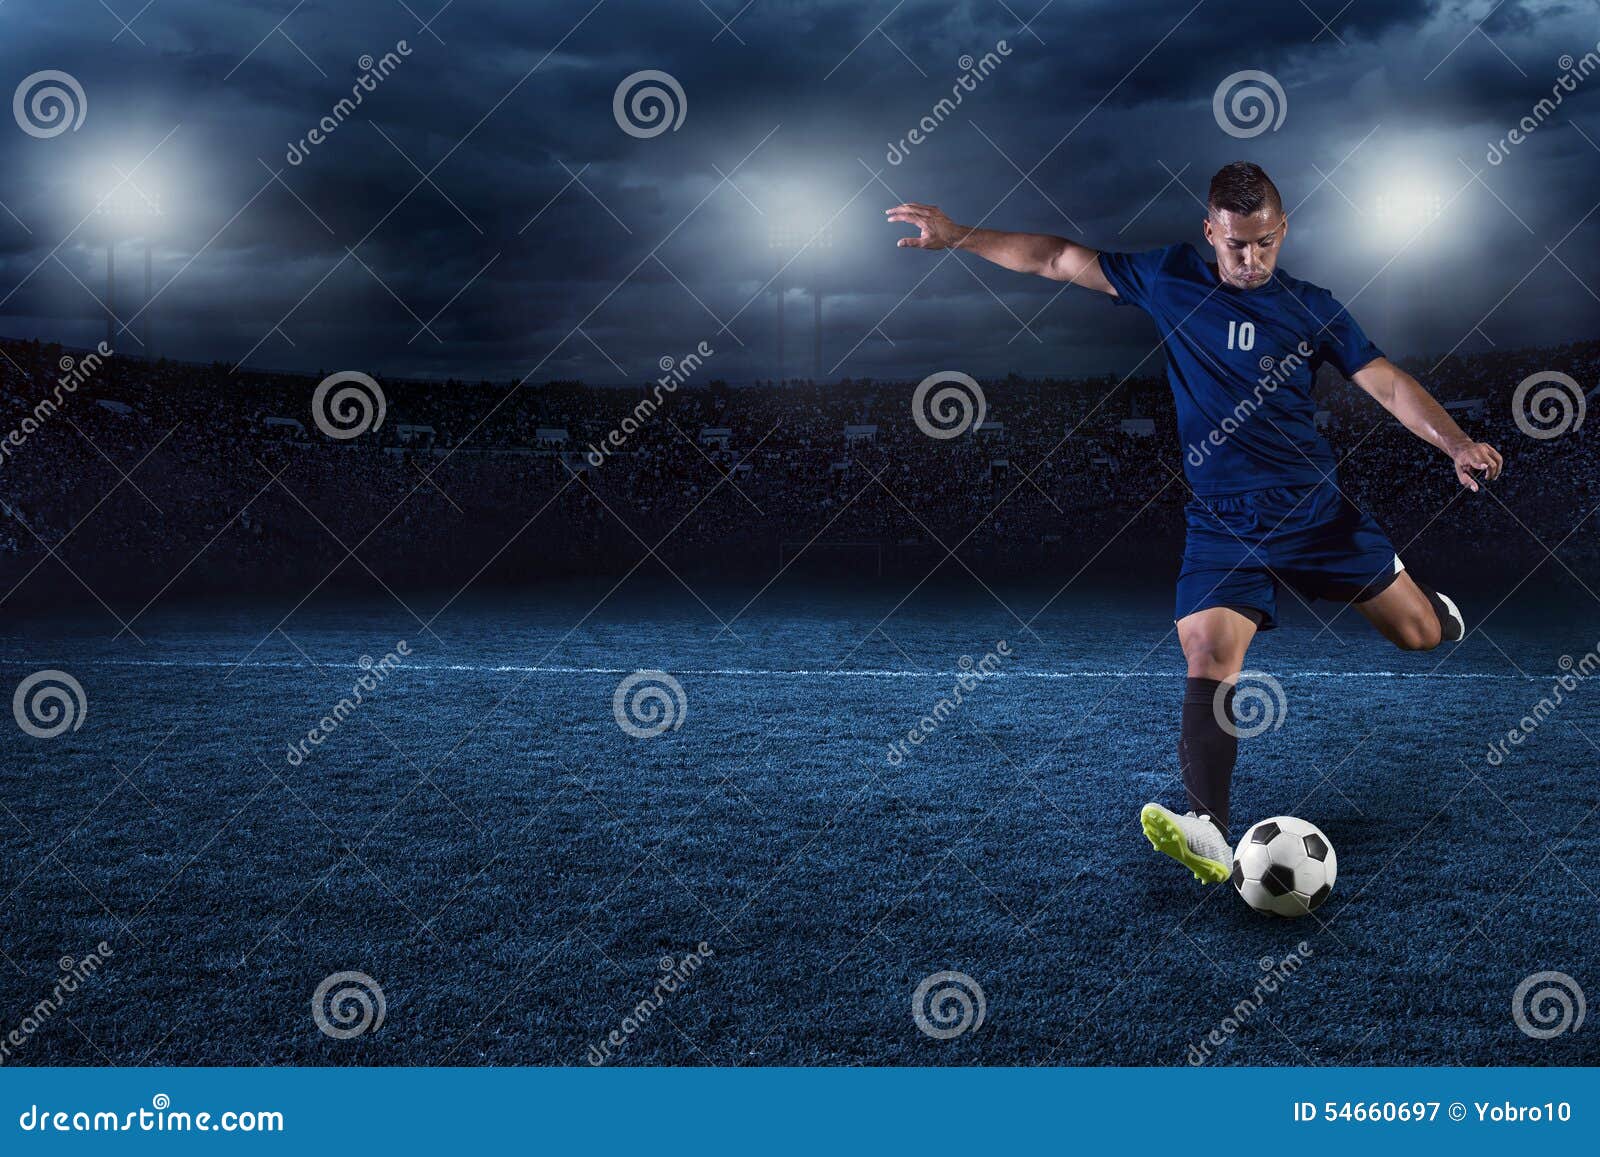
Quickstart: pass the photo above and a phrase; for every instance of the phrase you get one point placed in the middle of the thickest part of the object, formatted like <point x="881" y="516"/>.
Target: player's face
<point x="1247" y="246"/>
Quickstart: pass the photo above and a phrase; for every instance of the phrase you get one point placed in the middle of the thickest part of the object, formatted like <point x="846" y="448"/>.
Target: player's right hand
<point x="1475" y="461"/>
<point x="934" y="229"/>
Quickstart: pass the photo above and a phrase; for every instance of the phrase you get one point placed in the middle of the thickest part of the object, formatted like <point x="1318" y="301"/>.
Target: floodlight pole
<point x="816" y="334"/>
<point x="148" y="261"/>
<point x="778" y="284"/>
<point x="111" y="294"/>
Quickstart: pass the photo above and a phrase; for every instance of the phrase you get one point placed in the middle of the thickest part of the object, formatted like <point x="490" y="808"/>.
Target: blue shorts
<point x="1240" y="547"/>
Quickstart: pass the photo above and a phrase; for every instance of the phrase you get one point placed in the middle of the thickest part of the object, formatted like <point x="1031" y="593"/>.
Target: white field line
<point x="799" y="673"/>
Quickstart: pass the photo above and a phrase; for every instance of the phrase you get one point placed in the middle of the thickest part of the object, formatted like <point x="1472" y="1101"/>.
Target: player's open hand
<point x="934" y="229"/>
<point x="1481" y="457"/>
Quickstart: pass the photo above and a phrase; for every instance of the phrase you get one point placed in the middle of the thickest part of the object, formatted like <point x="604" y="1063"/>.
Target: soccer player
<point x="1243" y="342"/>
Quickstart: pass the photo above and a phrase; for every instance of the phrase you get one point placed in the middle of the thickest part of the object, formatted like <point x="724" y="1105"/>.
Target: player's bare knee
<point x="1421" y="633"/>
<point x="1211" y="658"/>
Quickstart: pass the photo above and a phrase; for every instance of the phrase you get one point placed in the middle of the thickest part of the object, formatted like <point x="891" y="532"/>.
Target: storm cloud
<point x="481" y="211"/>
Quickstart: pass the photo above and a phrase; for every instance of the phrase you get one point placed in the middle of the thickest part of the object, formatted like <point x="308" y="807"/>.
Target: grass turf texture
<point x="511" y="867"/>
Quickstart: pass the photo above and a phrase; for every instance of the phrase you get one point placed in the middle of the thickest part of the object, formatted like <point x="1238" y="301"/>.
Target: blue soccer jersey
<point x="1241" y="363"/>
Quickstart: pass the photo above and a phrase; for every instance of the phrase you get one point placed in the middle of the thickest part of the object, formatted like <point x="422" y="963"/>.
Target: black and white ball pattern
<point x="1284" y="866"/>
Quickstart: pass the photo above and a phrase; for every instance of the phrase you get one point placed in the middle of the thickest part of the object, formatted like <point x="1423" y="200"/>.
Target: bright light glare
<point x="791" y="238"/>
<point x="796" y="211"/>
<point x="1407" y="209"/>
<point x="124" y="193"/>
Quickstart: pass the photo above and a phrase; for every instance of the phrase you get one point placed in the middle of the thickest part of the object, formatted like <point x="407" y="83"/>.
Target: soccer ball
<point x="1284" y="867"/>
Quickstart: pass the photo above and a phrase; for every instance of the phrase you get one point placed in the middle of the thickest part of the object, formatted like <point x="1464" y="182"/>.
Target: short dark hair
<point x="1244" y="188"/>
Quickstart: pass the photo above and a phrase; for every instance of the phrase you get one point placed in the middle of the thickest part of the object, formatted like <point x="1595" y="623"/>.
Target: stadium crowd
<point x="147" y="473"/>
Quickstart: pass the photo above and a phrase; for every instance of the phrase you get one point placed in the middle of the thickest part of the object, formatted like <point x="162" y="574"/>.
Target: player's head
<point x="1245" y="224"/>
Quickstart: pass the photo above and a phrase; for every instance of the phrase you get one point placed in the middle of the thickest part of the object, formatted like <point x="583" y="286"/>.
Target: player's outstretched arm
<point x="1036" y="253"/>
<point x="1403" y="396"/>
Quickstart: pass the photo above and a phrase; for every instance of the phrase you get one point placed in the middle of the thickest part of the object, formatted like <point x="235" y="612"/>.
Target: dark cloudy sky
<point x="549" y="242"/>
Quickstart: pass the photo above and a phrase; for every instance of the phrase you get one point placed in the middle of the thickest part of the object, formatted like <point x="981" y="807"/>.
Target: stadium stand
<point x="148" y="474"/>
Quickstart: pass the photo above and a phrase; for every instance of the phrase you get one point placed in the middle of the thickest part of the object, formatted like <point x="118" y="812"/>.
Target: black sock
<point x="1206" y="750"/>
<point x="1451" y="627"/>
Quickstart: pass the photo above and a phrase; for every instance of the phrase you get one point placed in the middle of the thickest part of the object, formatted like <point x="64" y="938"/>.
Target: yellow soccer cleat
<point x="1194" y="841"/>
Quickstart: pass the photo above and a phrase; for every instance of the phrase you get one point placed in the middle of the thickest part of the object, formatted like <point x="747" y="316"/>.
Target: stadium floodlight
<point x="128" y="202"/>
<point x="797" y="205"/>
<point x="789" y="238"/>
<point x="128" y="209"/>
<point x="1405" y="211"/>
<point x="793" y="243"/>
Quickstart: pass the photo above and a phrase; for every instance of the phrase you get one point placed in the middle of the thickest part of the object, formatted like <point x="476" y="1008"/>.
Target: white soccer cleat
<point x="1194" y="841"/>
<point x="1453" y="628"/>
